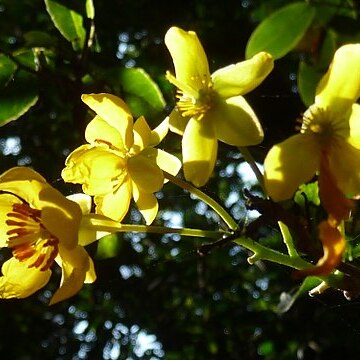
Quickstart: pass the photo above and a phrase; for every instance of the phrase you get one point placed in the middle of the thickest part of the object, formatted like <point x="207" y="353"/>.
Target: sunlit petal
<point x="75" y="264"/>
<point x="354" y="123"/>
<point x="177" y="122"/>
<point x="190" y="61"/>
<point x="159" y="133"/>
<point x="115" y="205"/>
<point x="235" y="122"/>
<point x="241" y="78"/>
<point x="145" y="173"/>
<point x="146" y="203"/>
<point x="345" y="165"/>
<point x="99" y="129"/>
<point x="114" y="111"/>
<point x="142" y="134"/>
<point x="199" y="146"/>
<point x="289" y="164"/>
<point x="340" y="87"/>
<point x="96" y="168"/>
<point x="83" y="200"/>
<point x="165" y="161"/>
<point x="20" y="281"/>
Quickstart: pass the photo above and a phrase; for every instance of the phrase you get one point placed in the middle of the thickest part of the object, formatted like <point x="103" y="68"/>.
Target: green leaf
<point x="308" y="192"/>
<point x="287" y="300"/>
<point x="108" y="247"/>
<point x="307" y="80"/>
<point x="281" y="31"/>
<point x="18" y="96"/>
<point x="7" y="70"/>
<point x="68" y="22"/>
<point x="39" y="39"/>
<point x="141" y="93"/>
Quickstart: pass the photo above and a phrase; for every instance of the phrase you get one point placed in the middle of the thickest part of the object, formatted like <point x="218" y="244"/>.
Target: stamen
<point x="29" y="239"/>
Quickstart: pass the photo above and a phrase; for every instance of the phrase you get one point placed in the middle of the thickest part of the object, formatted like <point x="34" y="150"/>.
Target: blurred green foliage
<point x="155" y="296"/>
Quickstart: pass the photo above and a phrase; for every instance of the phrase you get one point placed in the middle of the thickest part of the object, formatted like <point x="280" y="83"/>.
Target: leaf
<point x="307" y="80"/>
<point x="141" y="93"/>
<point x="108" y="247"/>
<point x="68" y="22"/>
<point x="7" y="70"/>
<point x="18" y="96"/>
<point x="308" y="192"/>
<point x="287" y="300"/>
<point x="281" y="31"/>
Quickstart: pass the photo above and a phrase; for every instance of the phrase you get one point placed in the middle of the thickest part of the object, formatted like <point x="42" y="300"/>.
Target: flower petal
<point x="98" y="169"/>
<point x="345" y="166"/>
<point x="190" y="61"/>
<point x="83" y="200"/>
<point x="354" y="123"/>
<point x="340" y="87"/>
<point x="20" y="281"/>
<point x="6" y="203"/>
<point x="146" y="203"/>
<point x="142" y="135"/>
<point x="199" y="148"/>
<point x="165" y="161"/>
<point x="235" y="122"/>
<point x="99" y="129"/>
<point x="241" y="78"/>
<point x="75" y="265"/>
<point x="177" y="122"/>
<point x="115" y="205"/>
<point x="289" y="164"/>
<point x="60" y="216"/>
<point x="159" y="133"/>
<point x="114" y="111"/>
<point x="145" y="173"/>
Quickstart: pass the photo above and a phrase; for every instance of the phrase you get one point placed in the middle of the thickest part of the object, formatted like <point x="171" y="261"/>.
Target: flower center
<point x="28" y="237"/>
<point x="191" y="102"/>
<point x="318" y="122"/>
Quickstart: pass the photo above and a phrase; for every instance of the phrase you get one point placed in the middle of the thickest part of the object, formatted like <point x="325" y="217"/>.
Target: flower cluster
<point x="121" y="163"/>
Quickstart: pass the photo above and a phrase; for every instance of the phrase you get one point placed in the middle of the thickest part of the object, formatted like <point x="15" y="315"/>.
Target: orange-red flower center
<point x="28" y="237"/>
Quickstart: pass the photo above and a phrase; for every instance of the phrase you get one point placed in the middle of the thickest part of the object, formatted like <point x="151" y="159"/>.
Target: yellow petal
<point x="83" y="200"/>
<point x="146" y="203"/>
<point x="19" y="173"/>
<point x="75" y="264"/>
<point x="241" y="78"/>
<point x="6" y="203"/>
<point x="115" y="205"/>
<point x="177" y="122"/>
<point x="190" y="61"/>
<point x="354" y="123"/>
<point x="199" y="148"/>
<point x="19" y="281"/>
<point x="340" y="87"/>
<point x="98" y="169"/>
<point x="115" y="112"/>
<point x="99" y="129"/>
<point x="345" y="166"/>
<point x="289" y="164"/>
<point x="142" y="135"/>
<point x="60" y="216"/>
<point x="166" y="161"/>
<point x="145" y="173"/>
<point x="159" y="133"/>
<point x="88" y="233"/>
<point x="235" y="122"/>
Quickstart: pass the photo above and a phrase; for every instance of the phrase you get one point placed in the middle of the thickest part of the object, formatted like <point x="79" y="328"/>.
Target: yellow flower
<point x="329" y="139"/>
<point x="39" y="226"/>
<point x="328" y="143"/>
<point x="120" y="161"/>
<point x="210" y="107"/>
